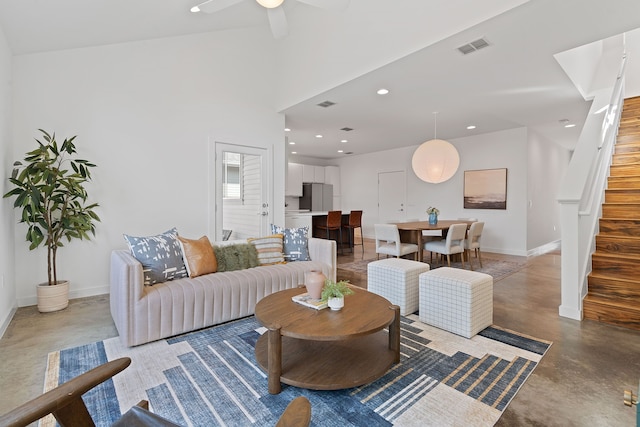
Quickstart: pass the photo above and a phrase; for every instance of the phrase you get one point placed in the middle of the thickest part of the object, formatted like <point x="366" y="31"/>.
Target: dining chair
<point x="355" y="221"/>
<point x="453" y="244"/>
<point x="473" y="242"/>
<point x="334" y="223"/>
<point x="388" y="242"/>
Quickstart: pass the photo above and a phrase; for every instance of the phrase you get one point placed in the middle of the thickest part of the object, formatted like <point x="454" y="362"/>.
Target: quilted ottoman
<point x="396" y="279"/>
<point x="456" y="300"/>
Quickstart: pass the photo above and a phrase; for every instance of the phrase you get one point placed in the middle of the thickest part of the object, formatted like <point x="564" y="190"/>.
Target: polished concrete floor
<point x="580" y="381"/>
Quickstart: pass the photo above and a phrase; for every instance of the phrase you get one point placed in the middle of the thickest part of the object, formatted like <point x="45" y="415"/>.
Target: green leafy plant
<point x="333" y="289"/>
<point x="433" y="210"/>
<point x="49" y="188"/>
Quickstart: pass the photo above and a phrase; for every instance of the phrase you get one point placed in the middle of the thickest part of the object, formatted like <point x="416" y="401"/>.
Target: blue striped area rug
<point x="211" y="378"/>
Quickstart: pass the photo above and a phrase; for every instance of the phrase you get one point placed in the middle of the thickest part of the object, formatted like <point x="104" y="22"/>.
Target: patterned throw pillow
<point x="198" y="256"/>
<point x="160" y="256"/>
<point x="269" y="249"/>
<point x="296" y="243"/>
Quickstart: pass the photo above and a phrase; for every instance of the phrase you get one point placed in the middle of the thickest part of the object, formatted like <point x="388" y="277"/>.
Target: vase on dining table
<point x="433" y="218"/>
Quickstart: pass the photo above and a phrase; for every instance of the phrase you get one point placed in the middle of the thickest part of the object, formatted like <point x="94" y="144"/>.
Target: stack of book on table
<point x="306" y="300"/>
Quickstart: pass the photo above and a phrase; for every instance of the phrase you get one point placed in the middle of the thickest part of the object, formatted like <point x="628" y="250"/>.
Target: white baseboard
<point x="7" y="320"/>
<point x="551" y="246"/>
<point x="74" y="294"/>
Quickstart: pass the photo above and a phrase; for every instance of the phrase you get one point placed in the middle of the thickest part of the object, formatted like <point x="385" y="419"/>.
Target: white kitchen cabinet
<point x="293" y="220"/>
<point x="332" y="176"/>
<point x="294" y="180"/>
<point x="314" y="174"/>
<point x="308" y="173"/>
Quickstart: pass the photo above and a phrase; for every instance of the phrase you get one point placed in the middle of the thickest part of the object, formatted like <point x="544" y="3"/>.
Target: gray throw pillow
<point x="160" y="256"/>
<point x="296" y="242"/>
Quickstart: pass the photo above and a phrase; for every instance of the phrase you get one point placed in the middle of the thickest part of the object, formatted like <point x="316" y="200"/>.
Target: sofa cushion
<point x="269" y="249"/>
<point x="160" y="256"/>
<point x="296" y="242"/>
<point x="198" y="256"/>
<point x="237" y="256"/>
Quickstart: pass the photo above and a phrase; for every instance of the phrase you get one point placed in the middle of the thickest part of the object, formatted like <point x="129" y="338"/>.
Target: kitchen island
<point x="311" y="219"/>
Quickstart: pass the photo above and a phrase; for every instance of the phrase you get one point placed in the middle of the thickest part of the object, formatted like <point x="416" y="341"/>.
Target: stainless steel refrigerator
<point x="317" y="197"/>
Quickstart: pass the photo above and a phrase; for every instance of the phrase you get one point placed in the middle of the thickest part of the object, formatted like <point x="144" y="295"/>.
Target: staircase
<point x="614" y="282"/>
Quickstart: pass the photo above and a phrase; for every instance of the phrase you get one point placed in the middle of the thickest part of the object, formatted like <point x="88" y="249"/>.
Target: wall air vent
<point x="326" y="104"/>
<point x="347" y="129"/>
<point x="473" y="46"/>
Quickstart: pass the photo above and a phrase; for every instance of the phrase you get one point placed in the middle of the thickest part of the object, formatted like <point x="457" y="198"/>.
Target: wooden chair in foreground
<point x="66" y="404"/>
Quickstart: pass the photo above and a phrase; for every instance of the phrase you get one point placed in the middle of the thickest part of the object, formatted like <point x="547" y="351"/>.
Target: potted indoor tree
<point x="49" y="190"/>
<point x="334" y="293"/>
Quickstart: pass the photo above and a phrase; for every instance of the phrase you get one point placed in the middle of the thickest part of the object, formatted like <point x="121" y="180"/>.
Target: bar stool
<point x="355" y="221"/>
<point x="334" y="223"/>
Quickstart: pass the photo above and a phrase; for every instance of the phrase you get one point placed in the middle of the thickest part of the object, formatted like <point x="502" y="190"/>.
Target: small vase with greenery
<point x="49" y="189"/>
<point x="433" y="215"/>
<point x="334" y="293"/>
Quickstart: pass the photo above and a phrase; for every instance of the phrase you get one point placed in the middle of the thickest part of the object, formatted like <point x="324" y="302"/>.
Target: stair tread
<point x="608" y="278"/>
<point x="629" y="305"/>
<point x="616" y="256"/>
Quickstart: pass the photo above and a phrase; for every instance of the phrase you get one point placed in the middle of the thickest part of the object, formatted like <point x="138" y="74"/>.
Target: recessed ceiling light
<point x="287" y="130"/>
<point x="195" y="9"/>
<point x="294" y="152"/>
<point x="344" y="141"/>
<point x="318" y="136"/>
<point x="570" y="125"/>
<point x="340" y="151"/>
<point x="382" y="91"/>
<point x="470" y="127"/>
<point x="292" y="143"/>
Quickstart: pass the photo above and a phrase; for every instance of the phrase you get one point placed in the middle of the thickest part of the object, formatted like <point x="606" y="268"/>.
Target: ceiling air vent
<point x="473" y="46"/>
<point x="326" y="104"/>
<point x="347" y="129"/>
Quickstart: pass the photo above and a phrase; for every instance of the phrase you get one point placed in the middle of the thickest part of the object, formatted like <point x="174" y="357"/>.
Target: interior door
<point x="392" y="194"/>
<point x="241" y="182"/>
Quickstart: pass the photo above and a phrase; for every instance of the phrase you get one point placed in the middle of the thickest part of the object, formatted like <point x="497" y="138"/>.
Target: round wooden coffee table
<point x="325" y="349"/>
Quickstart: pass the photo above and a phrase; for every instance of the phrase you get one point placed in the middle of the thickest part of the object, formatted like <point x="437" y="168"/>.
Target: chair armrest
<point x="126" y="288"/>
<point x="65" y="401"/>
<point x="325" y="251"/>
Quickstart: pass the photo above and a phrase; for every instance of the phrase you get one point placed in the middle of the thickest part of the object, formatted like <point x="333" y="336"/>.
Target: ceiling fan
<point x="275" y="12"/>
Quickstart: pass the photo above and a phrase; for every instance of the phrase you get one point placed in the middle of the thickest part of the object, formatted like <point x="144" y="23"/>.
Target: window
<point x="231" y="183"/>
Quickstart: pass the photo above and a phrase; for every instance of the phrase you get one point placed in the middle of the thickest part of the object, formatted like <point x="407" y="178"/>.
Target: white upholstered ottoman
<point x="456" y="300"/>
<point x="396" y="279"/>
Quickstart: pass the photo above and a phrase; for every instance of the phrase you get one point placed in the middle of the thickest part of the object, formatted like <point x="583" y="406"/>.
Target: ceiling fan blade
<point x="278" y="22"/>
<point x="212" y="6"/>
<point x="328" y="4"/>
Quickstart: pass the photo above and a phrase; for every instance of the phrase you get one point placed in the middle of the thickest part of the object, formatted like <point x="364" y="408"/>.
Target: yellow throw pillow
<point x="269" y="249"/>
<point x="198" y="256"/>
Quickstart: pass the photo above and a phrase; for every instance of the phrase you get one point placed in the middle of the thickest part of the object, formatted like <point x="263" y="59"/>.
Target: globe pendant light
<point x="270" y="4"/>
<point x="436" y="160"/>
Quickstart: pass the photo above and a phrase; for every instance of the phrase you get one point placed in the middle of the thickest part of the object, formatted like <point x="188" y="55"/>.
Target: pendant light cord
<point x="435" y="125"/>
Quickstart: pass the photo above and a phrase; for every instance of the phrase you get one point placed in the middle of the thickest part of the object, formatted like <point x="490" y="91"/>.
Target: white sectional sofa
<point x="148" y="313"/>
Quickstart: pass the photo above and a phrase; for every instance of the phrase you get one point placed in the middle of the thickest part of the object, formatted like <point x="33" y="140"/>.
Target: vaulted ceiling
<point x="514" y="82"/>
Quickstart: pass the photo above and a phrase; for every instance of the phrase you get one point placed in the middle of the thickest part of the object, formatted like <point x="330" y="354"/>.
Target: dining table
<point x="411" y="232"/>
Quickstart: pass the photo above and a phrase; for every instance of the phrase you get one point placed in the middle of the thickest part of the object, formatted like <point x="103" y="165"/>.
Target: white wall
<point x="506" y="231"/>
<point x="7" y="290"/>
<point x="547" y="164"/>
<point x="146" y="113"/>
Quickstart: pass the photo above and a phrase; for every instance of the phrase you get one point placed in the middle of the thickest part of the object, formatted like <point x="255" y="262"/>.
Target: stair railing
<point x="582" y="191"/>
